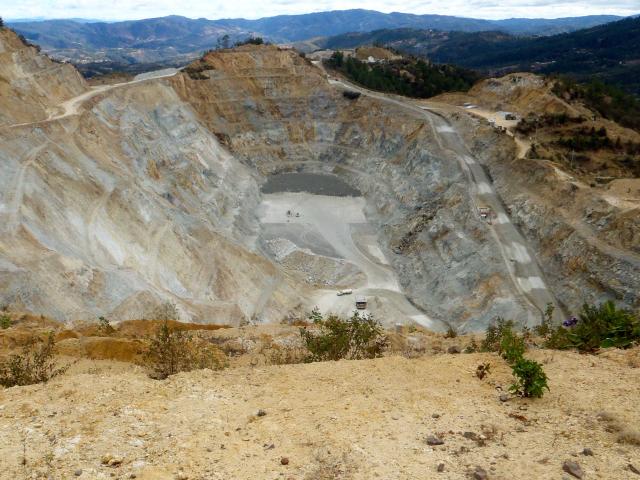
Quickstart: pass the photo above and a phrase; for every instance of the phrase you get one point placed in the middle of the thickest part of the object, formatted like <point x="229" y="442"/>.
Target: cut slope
<point x="32" y="85"/>
<point x="278" y="113"/>
<point x="125" y="203"/>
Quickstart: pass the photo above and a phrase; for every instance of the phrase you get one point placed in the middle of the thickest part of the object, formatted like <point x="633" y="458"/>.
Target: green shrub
<point x="104" y="326"/>
<point x="35" y="364"/>
<point x="171" y="351"/>
<point x="531" y="380"/>
<point x="410" y="76"/>
<point x="250" y="41"/>
<point x="494" y="335"/>
<point x="546" y="326"/>
<point x="5" y="321"/>
<point x="600" y="326"/>
<point x="354" y="338"/>
<point x="451" y="332"/>
<point x="512" y="346"/>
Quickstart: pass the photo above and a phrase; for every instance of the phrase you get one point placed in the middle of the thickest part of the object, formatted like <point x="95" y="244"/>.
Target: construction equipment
<point x="361" y="302"/>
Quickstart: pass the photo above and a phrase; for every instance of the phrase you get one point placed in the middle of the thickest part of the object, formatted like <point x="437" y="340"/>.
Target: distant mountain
<point x="610" y="52"/>
<point x="177" y="38"/>
<point x="42" y="19"/>
<point x="301" y="27"/>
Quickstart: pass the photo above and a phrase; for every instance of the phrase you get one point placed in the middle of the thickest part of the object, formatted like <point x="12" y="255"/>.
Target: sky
<point x="213" y="9"/>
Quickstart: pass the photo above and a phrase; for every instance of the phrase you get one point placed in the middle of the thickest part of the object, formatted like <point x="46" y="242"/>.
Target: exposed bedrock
<point x="277" y="113"/>
<point x="151" y="193"/>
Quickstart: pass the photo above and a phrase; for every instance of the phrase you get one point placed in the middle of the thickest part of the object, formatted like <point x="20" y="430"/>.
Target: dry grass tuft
<point x="630" y="437"/>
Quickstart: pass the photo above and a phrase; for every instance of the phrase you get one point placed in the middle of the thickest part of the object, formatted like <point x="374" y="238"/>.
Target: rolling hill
<point x="610" y="52"/>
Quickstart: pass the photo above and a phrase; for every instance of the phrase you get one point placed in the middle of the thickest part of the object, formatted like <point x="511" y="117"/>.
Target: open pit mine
<point x="248" y="188"/>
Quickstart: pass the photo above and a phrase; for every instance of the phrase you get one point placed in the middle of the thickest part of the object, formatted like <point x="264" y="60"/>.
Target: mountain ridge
<point x="183" y="39"/>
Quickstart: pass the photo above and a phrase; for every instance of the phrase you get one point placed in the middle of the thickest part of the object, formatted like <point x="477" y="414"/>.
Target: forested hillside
<point x="609" y="52"/>
<point x="408" y="76"/>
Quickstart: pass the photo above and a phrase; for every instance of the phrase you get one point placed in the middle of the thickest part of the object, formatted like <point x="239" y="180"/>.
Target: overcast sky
<point x="135" y="9"/>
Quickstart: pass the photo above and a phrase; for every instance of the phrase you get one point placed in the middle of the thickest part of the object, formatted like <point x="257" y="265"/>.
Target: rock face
<point x="276" y="112"/>
<point x="585" y="240"/>
<point x="128" y="205"/>
<point x="585" y="235"/>
<point x="32" y="85"/>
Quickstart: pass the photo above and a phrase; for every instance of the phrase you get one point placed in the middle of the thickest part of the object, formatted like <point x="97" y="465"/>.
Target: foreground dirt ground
<point x="336" y="420"/>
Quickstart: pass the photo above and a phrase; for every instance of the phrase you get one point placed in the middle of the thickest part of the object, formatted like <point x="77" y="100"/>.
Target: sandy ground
<point x="333" y="224"/>
<point x="338" y="420"/>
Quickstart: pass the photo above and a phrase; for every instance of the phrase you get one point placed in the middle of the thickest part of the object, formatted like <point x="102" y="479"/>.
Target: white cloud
<point x="134" y="9"/>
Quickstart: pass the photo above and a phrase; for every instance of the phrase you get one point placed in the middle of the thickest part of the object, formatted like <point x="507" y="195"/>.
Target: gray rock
<point x="433" y="440"/>
<point x="504" y="397"/>
<point x="453" y="349"/>
<point x="261" y="413"/>
<point x="435" y="415"/>
<point x="480" y="474"/>
<point x="78" y="472"/>
<point x="573" y="468"/>
<point x="441" y="467"/>
<point x="587" y="452"/>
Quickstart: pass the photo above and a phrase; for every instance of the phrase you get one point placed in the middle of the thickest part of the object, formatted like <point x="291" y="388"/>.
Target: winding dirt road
<point x="73" y="105"/>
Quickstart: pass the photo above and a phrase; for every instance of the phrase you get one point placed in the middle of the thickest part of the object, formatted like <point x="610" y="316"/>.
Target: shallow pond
<point x="315" y="183"/>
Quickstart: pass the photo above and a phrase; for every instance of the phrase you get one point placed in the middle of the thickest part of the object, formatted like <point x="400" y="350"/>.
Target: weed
<point x="483" y="370"/>
<point x="530" y="378"/>
<point x="278" y="355"/>
<point x="354" y="338"/>
<point x="5" y="321"/>
<point x="630" y="437"/>
<point x="546" y="326"/>
<point x="451" y="332"/>
<point x="34" y="365"/>
<point x="104" y="326"/>
<point x="472" y="347"/>
<point x="494" y="334"/>
<point x="512" y="346"/>
<point x="165" y="311"/>
<point x="171" y="351"/>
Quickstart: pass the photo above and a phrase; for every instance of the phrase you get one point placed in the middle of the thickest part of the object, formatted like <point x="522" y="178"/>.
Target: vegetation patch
<point x="171" y="351"/>
<point x="34" y="364"/>
<point x="335" y="338"/>
<point x="409" y="76"/>
<point x="596" y="327"/>
<point x="608" y="100"/>
<point x="529" y="377"/>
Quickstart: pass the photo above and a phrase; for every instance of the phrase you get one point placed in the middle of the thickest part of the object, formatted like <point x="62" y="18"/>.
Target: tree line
<point x="410" y="76"/>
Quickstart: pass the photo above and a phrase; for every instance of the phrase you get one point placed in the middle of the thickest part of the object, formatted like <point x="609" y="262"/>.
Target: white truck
<point x="346" y="291"/>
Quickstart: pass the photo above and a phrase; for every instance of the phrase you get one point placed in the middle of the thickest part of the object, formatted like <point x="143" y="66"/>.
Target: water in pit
<point x="314" y="183"/>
